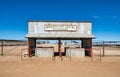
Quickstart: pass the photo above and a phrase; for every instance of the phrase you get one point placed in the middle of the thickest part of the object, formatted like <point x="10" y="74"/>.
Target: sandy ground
<point x="12" y="66"/>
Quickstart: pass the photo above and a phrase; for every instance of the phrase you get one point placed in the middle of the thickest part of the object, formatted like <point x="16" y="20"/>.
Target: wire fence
<point x="108" y="48"/>
<point x="100" y="48"/>
<point x="11" y="47"/>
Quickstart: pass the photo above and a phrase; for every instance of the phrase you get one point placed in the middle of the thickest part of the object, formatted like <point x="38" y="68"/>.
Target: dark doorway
<point x="57" y="53"/>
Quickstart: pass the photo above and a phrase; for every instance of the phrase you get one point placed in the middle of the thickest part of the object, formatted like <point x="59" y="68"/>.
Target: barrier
<point x="36" y="53"/>
<point x="53" y="58"/>
<point x="92" y="55"/>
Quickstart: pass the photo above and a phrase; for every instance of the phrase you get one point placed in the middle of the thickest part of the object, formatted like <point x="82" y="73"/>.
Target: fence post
<point x="103" y="48"/>
<point x="100" y="55"/>
<point x="21" y="54"/>
<point x="2" y="47"/>
<point x="70" y="54"/>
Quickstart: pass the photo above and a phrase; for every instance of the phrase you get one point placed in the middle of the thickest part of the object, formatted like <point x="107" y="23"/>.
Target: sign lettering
<point x="60" y="27"/>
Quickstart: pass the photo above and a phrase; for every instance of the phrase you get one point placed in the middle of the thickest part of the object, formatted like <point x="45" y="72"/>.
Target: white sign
<point x="60" y="27"/>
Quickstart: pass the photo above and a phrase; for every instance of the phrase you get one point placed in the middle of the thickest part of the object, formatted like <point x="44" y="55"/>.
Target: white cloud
<point x="96" y="16"/>
<point x="114" y="17"/>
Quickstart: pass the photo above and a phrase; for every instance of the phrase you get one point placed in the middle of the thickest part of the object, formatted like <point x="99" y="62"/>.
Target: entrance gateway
<point x="60" y="30"/>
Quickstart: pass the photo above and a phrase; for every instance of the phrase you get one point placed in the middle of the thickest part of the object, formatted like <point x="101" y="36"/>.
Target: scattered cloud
<point x="96" y="16"/>
<point x="113" y="17"/>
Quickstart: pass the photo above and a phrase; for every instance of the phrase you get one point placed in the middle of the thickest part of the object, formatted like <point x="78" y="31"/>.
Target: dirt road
<point x="57" y="68"/>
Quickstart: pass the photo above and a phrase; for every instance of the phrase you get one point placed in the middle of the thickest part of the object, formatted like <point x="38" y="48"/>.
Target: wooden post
<point x="100" y="55"/>
<point x="87" y="44"/>
<point x="53" y="57"/>
<point x="21" y="55"/>
<point x="31" y="45"/>
<point x="29" y="53"/>
<point x="70" y="54"/>
<point x="103" y="48"/>
<point x="91" y="55"/>
<point x="59" y="48"/>
<point x="1" y="47"/>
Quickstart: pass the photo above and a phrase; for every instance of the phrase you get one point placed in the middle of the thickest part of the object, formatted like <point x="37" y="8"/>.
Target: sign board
<point x="60" y="27"/>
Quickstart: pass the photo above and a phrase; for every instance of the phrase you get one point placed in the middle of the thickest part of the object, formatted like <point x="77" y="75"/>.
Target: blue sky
<point x="104" y="14"/>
